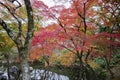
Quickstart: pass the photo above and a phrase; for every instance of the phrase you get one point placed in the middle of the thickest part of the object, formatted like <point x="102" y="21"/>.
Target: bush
<point x="100" y="61"/>
<point x="101" y="73"/>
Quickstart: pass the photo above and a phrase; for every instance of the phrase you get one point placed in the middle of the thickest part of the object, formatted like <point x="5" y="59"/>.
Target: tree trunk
<point x="23" y="46"/>
<point x="8" y="65"/>
<point x="108" y="67"/>
<point x="25" y="70"/>
<point x="24" y="62"/>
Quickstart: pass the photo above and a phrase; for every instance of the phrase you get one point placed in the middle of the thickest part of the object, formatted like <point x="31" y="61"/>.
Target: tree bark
<point x="8" y="64"/>
<point x="24" y="51"/>
<point x="24" y="61"/>
<point x="23" y="47"/>
<point x="25" y="70"/>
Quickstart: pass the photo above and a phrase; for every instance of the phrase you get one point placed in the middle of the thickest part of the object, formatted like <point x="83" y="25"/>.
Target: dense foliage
<point x="82" y="37"/>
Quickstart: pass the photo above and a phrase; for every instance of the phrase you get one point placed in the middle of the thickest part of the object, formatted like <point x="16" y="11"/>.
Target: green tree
<point x="11" y="22"/>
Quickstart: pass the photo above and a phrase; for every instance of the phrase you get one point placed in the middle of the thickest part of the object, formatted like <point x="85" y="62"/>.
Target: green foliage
<point x="101" y="74"/>
<point x="5" y="43"/>
<point x="100" y="61"/>
<point x="115" y="60"/>
<point x="57" y="62"/>
<point x="36" y="28"/>
<point x="100" y="71"/>
<point x="117" y="56"/>
<point x="7" y="47"/>
<point x="64" y="51"/>
<point x="1" y="56"/>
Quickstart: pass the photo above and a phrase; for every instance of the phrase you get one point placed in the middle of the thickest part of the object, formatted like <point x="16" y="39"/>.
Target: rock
<point x="3" y="76"/>
<point x="37" y="74"/>
<point x="14" y="70"/>
<point x="31" y="69"/>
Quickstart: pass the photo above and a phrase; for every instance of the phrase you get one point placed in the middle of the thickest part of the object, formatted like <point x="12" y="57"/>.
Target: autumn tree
<point x="85" y="29"/>
<point x="73" y="31"/>
<point x="107" y="40"/>
<point x="13" y="22"/>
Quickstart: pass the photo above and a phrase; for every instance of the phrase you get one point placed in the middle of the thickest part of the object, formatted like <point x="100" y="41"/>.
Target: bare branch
<point x="67" y="48"/>
<point x="7" y="29"/>
<point x="17" y="19"/>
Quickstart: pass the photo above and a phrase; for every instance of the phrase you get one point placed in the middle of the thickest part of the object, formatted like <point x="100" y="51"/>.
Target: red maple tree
<point x="78" y="30"/>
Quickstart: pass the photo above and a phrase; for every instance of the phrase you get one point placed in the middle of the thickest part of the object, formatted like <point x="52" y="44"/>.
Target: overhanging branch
<point x="7" y="29"/>
<point x="16" y="18"/>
